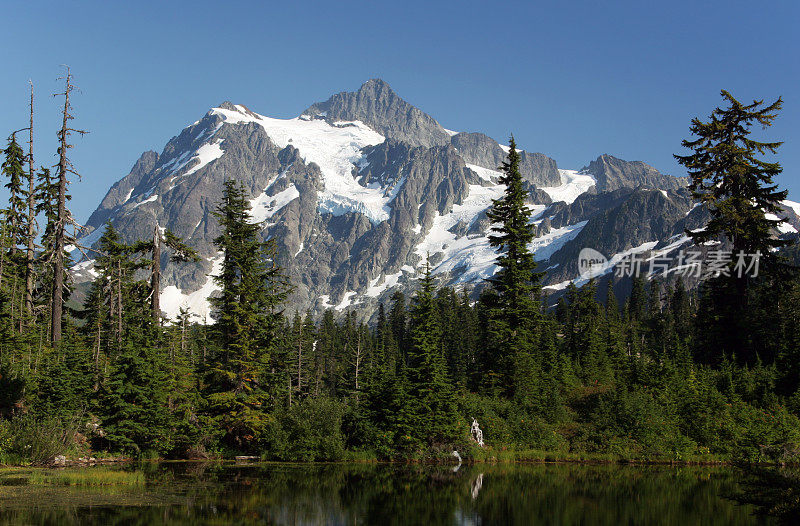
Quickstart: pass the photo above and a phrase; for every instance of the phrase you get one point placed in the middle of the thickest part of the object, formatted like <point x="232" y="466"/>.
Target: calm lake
<point x="226" y="493"/>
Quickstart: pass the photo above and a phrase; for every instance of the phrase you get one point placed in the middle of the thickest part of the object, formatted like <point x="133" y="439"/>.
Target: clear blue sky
<point x="570" y="79"/>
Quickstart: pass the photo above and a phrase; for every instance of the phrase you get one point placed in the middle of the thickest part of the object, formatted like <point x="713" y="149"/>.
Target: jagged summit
<point x="379" y="107"/>
<point x="612" y="173"/>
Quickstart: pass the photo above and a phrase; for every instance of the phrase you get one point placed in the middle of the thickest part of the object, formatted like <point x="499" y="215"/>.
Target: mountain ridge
<point x="356" y="207"/>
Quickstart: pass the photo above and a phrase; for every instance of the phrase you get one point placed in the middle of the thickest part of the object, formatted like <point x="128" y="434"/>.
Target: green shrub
<point x="309" y="431"/>
<point x="37" y="440"/>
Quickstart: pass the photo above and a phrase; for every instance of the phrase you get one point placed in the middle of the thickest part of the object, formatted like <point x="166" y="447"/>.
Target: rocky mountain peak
<point x="379" y="107"/>
<point x="613" y="173"/>
<point x="360" y="189"/>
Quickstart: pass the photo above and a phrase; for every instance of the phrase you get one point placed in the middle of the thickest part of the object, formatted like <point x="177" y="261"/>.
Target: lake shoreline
<point x="106" y="462"/>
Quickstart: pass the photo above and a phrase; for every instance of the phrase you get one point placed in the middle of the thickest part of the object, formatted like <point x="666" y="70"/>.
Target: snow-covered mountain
<point x="359" y="189"/>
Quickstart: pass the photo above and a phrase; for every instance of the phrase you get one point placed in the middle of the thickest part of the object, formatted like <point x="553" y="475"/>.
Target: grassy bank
<point x="94" y="476"/>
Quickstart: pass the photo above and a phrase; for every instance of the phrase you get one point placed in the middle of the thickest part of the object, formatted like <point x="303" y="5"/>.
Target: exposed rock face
<point x="360" y="189"/>
<point x="612" y="173"/>
<point x="378" y="106"/>
<point x="122" y="189"/>
<point x="477" y="148"/>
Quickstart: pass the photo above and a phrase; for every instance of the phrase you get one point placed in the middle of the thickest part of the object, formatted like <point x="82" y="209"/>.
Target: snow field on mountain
<point x="783" y="228"/>
<point x="172" y="298"/>
<point x="265" y="206"/>
<point x="390" y="280"/>
<point x="205" y="154"/>
<point x="472" y="253"/>
<point x="573" y="184"/>
<point x="336" y="149"/>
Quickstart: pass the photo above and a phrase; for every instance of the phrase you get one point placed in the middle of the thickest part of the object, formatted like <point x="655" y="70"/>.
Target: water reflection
<point x="476" y="486"/>
<point x="193" y="493"/>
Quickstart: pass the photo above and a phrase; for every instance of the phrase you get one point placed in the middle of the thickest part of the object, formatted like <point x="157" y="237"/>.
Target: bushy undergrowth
<point x="36" y="440"/>
<point x="311" y="430"/>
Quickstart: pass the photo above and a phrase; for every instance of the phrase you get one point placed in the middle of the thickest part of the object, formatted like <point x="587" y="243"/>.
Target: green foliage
<point x="247" y="323"/>
<point x="36" y="439"/>
<point x="309" y="431"/>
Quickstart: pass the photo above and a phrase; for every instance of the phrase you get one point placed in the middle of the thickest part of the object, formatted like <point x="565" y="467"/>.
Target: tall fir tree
<point x="513" y="320"/>
<point x="431" y="396"/>
<point x="734" y="182"/>
<point x="247" y="320"/>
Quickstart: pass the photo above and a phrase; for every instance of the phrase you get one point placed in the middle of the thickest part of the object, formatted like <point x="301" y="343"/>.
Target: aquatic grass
<point x="86" y="477"/>
<point x="360" y="456"/>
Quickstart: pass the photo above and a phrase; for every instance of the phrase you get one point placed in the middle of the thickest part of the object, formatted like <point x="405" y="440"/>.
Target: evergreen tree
<point x="514" y="318"/>
<point x="13" y="169"/>
<point x="430" y="395"/>
<point x="730" y="180"/>
<point x="11" y="262"/>
<point x="247" y="321"/>
<point x="733" y="182"/>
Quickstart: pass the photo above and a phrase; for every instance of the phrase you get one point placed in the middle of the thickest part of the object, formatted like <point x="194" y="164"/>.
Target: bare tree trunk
<point x="57" y="300"/>
<point x="97" y="356"/>
<point x="14" y="299"/>
<point x="119" y="305"/>
<point x="358" y="362"/>
<point x="183" y="336"/>
<point x="30" y="248"/>
<point x="300" y="360"/>
<point x="62" y="215"/>
<point x="155" y="277"/>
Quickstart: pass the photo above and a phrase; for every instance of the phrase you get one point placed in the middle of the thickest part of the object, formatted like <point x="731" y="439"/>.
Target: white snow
<point x="389" y="281"/>
<point x="326" y="301"/>
<point x="783" y="228"/>
<point x="302" y="246"/>
<point x="177" y="163"/>
<point x="484" y="173"/>
<point x="128" y="196"/>
<point x="545" y="246"/>
<point x="474" y="253"/>
<point x="573" y="184"/>
<point x="793" y="205"/>
<point x="172" y="298"/>
<point x="336" y="149"/>
<point x="84" y="269"/>
<point x="347" y="300"/>
<point x="265" y="206"/>
<point x="205" y="154"/>
<point x="450" y="132"/>
<point x="148" y="200"/>
<point x="409" y="269"/>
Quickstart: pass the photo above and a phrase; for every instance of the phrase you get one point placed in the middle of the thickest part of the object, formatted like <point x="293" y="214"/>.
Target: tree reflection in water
<point x="189" y="493"/>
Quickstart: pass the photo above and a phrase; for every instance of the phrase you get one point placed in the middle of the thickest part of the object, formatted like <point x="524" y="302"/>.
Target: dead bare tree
<point x="181" y="253"/>
<point x="31" y="234"/>
<point x="63" y="216"/>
